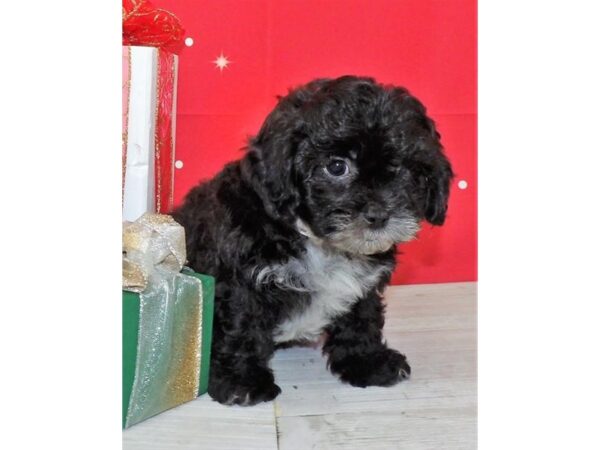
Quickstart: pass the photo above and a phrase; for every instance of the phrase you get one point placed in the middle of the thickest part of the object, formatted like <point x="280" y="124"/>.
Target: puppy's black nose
<point x="376" y="217"/>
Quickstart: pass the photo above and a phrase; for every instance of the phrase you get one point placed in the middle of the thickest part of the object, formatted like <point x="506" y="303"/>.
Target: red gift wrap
<point x="145" y="25"/>
<point x="164" y="155"/>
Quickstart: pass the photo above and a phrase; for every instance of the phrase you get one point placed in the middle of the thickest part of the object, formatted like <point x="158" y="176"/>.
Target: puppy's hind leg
<point x="239" y="370"/>
<point x="355" y="348"/>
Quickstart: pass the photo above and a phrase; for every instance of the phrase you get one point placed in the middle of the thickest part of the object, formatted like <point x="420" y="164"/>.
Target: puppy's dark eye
<point x="337" y="167"/>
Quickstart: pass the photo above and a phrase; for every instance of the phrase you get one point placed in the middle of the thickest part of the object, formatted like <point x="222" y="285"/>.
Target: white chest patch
<point x="333" y="281"/>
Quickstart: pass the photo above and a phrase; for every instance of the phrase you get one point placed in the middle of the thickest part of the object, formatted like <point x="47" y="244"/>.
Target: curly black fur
<point x="275" y="225"/>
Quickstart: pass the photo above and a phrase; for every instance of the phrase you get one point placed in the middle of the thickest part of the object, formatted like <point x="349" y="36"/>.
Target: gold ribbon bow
<point x="152" y="241"/>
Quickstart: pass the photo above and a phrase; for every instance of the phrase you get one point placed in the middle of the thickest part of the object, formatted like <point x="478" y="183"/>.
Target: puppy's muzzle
<point x="376" y="217"/>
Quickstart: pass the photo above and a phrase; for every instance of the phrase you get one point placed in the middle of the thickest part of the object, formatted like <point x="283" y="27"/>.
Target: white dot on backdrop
<point x="179" y="164"/>
<point x="462" y="184"/>
<point x="189" y="41"/>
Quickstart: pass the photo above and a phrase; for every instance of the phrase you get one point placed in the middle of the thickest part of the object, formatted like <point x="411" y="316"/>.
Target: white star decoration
<point x="221" y="62"/>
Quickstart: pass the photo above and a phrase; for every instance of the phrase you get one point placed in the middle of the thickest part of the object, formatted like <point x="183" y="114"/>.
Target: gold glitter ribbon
<point x="152" y="241"/>
<point x="170" y="326"/>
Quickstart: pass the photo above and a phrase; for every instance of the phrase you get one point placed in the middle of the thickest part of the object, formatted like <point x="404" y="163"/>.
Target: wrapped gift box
<point x="167" y="320"/>
<point x="149" y="111"/>
<point x="166" y="348"/>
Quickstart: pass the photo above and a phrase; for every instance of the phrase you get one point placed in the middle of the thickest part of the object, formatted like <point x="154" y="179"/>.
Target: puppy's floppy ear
<point x="437" y="183"/>
<point x="269" y="164"/>
<point x="434" y="174"/>
<point x="425" y="158"/>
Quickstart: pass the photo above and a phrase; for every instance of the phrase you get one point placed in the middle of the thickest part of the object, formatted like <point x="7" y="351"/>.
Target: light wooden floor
<point x="434" y="325"/>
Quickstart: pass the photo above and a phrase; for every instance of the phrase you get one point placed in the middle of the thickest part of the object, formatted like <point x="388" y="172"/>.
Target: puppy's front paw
<point x="244" y="391"/>
<point x="384" y="367"/>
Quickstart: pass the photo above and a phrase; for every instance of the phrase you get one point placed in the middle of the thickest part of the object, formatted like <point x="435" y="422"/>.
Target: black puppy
<point x="301" y="233"/>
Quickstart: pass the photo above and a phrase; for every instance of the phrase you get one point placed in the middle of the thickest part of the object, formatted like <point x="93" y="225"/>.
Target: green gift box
<point x="167" y="331"/>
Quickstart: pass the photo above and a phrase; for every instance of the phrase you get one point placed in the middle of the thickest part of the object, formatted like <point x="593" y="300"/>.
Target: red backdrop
<point x="425" y="45"/>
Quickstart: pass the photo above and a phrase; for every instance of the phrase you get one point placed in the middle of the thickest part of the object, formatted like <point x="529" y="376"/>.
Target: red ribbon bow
<point x="146" y="25"/>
